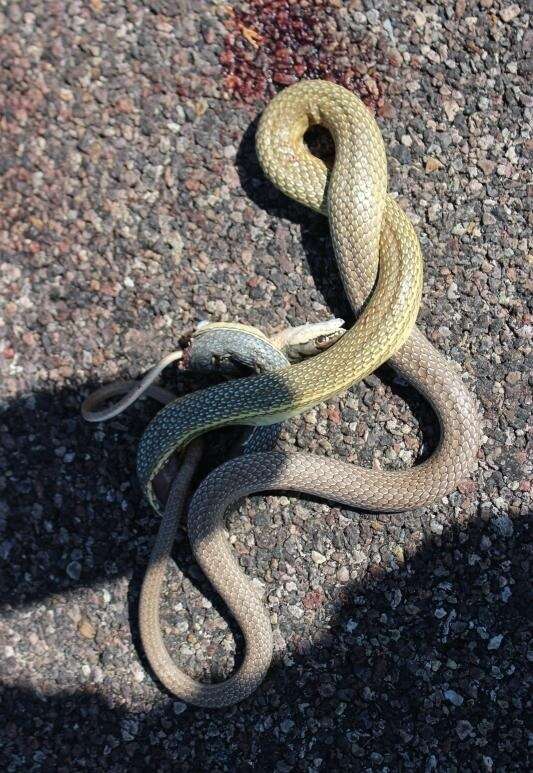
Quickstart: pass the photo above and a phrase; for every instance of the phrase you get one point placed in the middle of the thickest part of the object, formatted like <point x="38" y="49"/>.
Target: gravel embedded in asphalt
<point x="132" y="208"/>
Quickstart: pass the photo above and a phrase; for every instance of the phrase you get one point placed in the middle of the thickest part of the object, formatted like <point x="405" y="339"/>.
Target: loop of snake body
<point x="369" y="232"/>
<point x="366" y="226"/>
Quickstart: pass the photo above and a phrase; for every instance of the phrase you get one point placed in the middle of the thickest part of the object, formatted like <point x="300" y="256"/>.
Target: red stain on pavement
<point x="274" y="43"/>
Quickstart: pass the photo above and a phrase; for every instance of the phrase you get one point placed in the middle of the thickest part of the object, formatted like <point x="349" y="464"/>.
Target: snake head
<point x="303" y="341"/>
<point x="231" y="349"/>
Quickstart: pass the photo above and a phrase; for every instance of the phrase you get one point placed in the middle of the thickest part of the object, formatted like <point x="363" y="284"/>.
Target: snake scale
<point x="379" y="259"/>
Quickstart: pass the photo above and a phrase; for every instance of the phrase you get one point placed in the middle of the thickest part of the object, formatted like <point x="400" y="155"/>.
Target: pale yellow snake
<point x="368" y="229"/>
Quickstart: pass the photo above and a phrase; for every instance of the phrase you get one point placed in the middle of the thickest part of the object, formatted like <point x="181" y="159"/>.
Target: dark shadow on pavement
<point x="422" y="665"/>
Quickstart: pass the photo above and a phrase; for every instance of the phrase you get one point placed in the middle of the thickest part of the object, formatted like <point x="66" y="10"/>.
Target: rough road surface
<point x="132" y="207"/>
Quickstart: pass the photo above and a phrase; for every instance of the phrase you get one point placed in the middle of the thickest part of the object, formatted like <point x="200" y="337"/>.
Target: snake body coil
<point x="368" y="230"/>
<point x="365" y="224"/>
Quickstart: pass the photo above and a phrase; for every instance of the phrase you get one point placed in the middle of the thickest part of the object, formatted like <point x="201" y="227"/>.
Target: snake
<point x="366" y="225"/>
<point x="380" y="262"/>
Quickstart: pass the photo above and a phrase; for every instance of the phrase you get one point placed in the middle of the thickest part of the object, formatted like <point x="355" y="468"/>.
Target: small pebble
<point x="464" y="729"/>
<point x="74" y="570"/>
<point x="454" y="697"/>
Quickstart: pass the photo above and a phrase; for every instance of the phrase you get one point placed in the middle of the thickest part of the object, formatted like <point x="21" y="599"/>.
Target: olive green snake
<point x="369" y="232"/>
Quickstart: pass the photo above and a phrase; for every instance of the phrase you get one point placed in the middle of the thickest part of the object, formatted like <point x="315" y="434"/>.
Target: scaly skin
<point x="366" y="225"/>
<point x="367" y="229"/>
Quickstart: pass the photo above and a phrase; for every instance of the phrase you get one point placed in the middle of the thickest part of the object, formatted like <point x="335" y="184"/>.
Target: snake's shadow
<point x="318" y="248"/>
